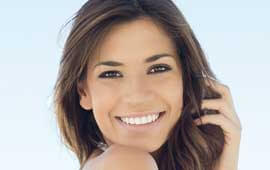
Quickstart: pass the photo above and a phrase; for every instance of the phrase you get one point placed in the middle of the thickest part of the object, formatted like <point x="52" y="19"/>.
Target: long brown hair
<point x="188" y="147"/>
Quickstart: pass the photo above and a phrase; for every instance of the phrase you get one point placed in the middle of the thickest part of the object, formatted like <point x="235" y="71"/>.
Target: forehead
<point x="134" y="41"/>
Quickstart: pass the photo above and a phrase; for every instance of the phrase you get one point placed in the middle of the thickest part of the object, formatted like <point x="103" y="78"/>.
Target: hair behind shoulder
<point x="188" y="147"/>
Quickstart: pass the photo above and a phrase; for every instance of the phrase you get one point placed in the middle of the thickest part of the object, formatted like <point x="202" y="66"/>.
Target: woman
<point x="134" y="84"/>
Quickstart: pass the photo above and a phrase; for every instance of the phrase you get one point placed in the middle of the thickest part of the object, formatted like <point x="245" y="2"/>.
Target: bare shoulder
<point x="92" y="162"/>
<point x="122" y="157"/>
<point x="118" y="157"/>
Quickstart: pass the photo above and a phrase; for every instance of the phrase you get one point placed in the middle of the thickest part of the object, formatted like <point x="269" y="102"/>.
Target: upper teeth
<point x="140" y="120"/>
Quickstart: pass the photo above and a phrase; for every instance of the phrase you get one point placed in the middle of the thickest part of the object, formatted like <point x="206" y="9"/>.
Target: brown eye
<point x="160" y="68"/>
<point x="108" y="74"/>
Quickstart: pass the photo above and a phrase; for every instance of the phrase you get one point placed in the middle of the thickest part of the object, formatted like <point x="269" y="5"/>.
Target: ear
<point x="85" y="97"/>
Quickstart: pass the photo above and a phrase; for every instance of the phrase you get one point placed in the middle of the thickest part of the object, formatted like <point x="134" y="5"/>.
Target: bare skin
<point x="119" y="157"/>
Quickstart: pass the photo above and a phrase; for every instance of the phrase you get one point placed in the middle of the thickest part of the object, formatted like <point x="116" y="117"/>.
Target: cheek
<point x="103" y="100"/>
<point x="172" y="92"/>
<point x="170" y="86"/>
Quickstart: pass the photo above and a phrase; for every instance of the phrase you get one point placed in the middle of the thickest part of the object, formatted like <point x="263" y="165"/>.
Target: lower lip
<point x="143" y="127"/>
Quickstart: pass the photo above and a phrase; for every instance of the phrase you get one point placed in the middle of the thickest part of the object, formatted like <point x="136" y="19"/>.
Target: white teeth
<point x="154" y="117"/>
<point x="149" y="117"/>
<point x="131" y="120"/>
<point x="140" y="120"/>
<point x="137" y="121"/>
<point x="144" y="119"/>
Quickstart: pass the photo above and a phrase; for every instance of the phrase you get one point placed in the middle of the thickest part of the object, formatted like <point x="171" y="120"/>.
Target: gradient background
<point x="235" y="36"/>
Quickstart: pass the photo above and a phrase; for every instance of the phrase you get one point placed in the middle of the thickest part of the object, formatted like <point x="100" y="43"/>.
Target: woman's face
<point x="136" y="85"/>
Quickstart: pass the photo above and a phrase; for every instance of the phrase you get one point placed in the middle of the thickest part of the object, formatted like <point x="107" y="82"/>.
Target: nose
<point x="138" y="91"/>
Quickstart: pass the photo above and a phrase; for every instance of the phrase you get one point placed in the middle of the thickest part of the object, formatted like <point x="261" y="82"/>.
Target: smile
<point x="140" y="120"/>
<point x="141" y="124"/>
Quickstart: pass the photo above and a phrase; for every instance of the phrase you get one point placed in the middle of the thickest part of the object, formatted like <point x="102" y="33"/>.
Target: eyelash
<point x="167" y="68"/>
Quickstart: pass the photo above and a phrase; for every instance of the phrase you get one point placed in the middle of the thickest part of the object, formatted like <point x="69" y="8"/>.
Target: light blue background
<point x="235" y="36"/>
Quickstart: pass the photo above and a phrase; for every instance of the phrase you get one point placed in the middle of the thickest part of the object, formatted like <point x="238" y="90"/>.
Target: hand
<point x="228" y="121"/>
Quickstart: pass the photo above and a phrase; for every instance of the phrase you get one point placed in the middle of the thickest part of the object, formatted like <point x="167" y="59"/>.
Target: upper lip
<point x="140" y="114"/>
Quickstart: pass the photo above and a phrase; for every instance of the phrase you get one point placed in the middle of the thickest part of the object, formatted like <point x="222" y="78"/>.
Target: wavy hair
<point x="188" y="147"/>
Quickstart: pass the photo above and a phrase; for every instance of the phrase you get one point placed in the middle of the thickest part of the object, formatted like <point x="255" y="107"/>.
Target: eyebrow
<point x="147" y="60"/>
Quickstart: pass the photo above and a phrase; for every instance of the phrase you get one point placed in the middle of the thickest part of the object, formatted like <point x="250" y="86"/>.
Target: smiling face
<point x="137" y="84"/>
